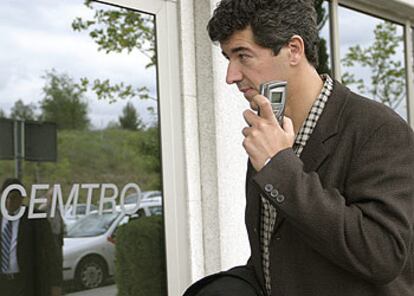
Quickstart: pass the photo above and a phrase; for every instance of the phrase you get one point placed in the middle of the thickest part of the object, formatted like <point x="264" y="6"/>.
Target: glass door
<point x="84" y="99"/>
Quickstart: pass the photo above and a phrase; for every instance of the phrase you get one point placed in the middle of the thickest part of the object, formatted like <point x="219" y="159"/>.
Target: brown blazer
<point x="345" y="208"/>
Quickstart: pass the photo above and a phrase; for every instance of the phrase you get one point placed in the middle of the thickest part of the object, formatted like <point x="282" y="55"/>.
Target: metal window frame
<point x="397" y="11"/>
<point x="409" y="62"/>
<point x="334" y="32"/>
<point x="172" y="138"/>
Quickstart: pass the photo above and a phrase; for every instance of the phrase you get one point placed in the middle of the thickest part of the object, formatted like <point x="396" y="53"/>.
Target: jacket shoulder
<point x="367" y="115"/>
<point x="369" y="110"/>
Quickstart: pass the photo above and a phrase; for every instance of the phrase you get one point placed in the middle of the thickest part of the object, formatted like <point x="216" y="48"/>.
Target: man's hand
<point x="264" y="137"/>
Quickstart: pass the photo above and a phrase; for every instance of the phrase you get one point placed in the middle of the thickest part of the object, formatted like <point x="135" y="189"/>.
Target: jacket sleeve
<point x="249" y="174"/>
<point x="366" y="228"/>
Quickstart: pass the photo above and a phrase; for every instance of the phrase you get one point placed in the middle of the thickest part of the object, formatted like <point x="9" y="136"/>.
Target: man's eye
<point x="243" y="57"/>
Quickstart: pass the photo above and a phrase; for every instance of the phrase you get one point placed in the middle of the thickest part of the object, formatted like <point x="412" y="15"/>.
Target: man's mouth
<point x="246" y="89"/>
<point x="243" y="90"/>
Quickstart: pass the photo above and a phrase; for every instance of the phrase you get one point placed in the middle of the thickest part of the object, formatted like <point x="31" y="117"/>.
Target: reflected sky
<point x="37" y="36"/>
<point x="356" y="28"/>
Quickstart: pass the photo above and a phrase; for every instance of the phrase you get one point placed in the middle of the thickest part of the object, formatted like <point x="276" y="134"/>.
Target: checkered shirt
<point x="269" y="213"/>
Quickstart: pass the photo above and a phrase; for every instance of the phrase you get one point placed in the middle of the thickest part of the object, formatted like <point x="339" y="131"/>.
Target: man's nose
<point x="234" y="74"/>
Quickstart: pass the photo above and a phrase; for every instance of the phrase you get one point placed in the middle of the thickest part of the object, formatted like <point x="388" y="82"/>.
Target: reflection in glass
<point x="72" y="214"/>
<point x="92" y="225"/>
<point x="322" y="9"/>
<point x="372" y="58"/>
<point x="412" y="54"/>
<point x="90" y="69"/>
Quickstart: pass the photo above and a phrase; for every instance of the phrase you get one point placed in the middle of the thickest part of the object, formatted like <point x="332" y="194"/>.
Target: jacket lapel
<point x="321" y="143"/>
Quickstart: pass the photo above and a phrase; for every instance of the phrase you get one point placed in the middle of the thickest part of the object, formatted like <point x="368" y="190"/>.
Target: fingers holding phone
<point x="264" y="137"/>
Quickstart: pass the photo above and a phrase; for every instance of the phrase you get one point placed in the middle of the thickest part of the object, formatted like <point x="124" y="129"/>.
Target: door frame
<point x="172" y="138"/>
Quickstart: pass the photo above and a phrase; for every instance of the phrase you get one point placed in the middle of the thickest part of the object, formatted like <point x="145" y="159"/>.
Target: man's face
<point x="14" y="201"/>
<point x="251" y="64"/>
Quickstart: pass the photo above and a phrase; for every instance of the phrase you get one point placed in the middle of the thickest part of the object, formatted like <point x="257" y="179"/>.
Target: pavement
<point x="110" y="290"/>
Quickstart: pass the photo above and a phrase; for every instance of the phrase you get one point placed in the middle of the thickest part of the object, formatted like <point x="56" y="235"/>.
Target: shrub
<point x="140" y="258"/>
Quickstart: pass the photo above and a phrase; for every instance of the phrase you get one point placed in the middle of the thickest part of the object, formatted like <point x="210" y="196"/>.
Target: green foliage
<point x="64" y="102"/>
<point x="323" y="57"/>
<point x="117" y="31"/>
<point x="321" y="15"/>
<point x="150" y="147"/>
<point x="2" y="114"/>
<point x="113" y="125"/>
<point x="130" y="119"/>
<point x="140" y="258"/>
<point x="20" y="111"/>
<point x="387" y="83"/>
<point x="104" y="90"/>
<point x="106" y="156"/>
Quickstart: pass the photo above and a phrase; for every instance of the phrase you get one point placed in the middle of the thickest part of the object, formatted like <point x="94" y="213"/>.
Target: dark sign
<point x="40" y="141"/>
<point x="6" y="139"/>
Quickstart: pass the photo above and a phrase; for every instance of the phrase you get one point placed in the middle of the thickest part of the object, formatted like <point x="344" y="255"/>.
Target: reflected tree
<point x="115" y="31"/>
<point x="130" y="118"/>
<point x="2" y="114"/>
<point x="150" y="149"/>
<point x="22" y="111"/>
<point x="118" y="31"/>
<point x="323" y="57"/>
<point x="64" y="102"/>
<point x="387" y="81"/>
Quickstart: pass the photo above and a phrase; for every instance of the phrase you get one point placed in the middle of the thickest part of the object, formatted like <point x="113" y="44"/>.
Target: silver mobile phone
<point x="275" y="91"/>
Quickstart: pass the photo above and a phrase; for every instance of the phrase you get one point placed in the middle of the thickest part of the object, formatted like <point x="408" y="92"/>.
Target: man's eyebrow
<point x="240" y="48"/>
<point x="236" y="50"/>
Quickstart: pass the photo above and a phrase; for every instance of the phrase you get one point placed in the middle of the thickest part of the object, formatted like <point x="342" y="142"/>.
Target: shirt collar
<point x="315" y="112"/>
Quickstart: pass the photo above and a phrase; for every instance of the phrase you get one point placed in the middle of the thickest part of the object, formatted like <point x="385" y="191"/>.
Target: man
<point x="57" y="227"/>
<point x="27" y="252"/>
<point x="330" y="193"/>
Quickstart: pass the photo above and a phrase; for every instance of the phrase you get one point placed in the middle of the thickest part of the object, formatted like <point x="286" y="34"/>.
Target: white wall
<point x="215" y="159"/>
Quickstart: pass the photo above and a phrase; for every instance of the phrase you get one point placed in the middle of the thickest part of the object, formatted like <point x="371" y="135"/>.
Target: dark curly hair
<point x="273" y="23"/>
<point x="10" y="181"/>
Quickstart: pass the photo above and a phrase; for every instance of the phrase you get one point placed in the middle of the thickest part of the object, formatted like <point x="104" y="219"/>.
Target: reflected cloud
<point x="37" y="37"/>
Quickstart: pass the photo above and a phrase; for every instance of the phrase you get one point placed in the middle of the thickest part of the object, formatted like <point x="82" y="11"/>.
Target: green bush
<point x="140" y="258"/>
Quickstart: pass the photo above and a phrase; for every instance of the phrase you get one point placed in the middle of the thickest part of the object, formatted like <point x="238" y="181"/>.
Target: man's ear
<point x="296" y="48"/>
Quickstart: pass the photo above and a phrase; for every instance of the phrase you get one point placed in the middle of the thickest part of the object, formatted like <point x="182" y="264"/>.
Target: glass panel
<point x="325" y="63"/>
<point x="372" y="58"/>
<point x="79" y="104"/>
<point x="412" y="56"/>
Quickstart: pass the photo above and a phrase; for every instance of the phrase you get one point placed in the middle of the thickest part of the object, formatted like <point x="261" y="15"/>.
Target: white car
<point x="132" y="198"/>
<point x="69" y="218"/>
<point x="89" y="246"/>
